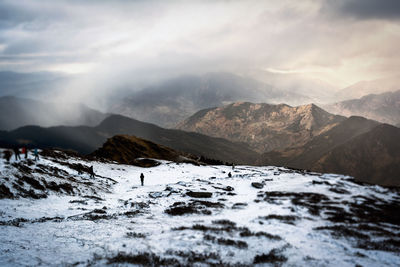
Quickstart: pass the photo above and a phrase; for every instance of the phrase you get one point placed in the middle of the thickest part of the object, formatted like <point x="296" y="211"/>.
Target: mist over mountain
<point x="383" y="107"/>
<point x="36" y="85"/>
<point x="16" y="112"/>
<point x="313" y="90"/>
<point x="364" y="88"/>
<point x="174" y="100"/>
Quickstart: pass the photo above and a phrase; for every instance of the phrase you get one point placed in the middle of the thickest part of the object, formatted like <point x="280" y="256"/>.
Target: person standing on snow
<point x="16" y="152"/>
<point x="142" y="178"/>
<point x="36" y="153"/>
<point x="91" y="171"/>
<point x="7" y="155"/>
<point x="25" y="151"/>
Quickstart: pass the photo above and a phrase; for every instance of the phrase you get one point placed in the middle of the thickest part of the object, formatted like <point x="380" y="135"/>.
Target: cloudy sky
<point x="339" y="42"/>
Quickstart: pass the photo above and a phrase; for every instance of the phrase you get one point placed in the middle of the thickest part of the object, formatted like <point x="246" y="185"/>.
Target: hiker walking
<point x="36" y="153"/>
<point x="7" y="155"/>
<point x="91" y="171"/>
<point x="142" y="178"/>
<point x="16" y="153"/>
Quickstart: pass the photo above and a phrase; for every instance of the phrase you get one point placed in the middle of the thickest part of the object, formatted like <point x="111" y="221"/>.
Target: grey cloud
<point x="11" y="15"/>
<point x="127" y="41"/>
<point x="364" y="9"/>
<point x="32" y="17"/>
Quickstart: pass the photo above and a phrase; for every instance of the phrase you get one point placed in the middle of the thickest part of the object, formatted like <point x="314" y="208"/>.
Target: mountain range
<point x="383" y="107"/>
<point x="307" y="137"/>
<point x="85" y="139"/>
<point x="264" y="127"/>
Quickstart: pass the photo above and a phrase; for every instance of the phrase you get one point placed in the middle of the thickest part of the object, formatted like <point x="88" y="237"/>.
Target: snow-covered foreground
<point x="297" y="218"/>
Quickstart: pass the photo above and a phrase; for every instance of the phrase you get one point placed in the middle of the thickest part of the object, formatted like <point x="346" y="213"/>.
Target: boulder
<point x="199" y="194"/>
<point x="159" y="194"/>
<point x="257" y="185"/>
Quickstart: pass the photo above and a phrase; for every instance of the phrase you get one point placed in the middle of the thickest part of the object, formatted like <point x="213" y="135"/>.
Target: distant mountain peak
<point x="383" y="107"/>
<point x="263" y="126"/>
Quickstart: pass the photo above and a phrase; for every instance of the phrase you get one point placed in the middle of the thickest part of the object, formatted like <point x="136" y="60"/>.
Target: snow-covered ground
<point x="297" y="218"/>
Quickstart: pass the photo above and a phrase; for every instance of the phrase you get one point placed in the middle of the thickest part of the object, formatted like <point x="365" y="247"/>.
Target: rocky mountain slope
<point x="373" y="157"/>
<point x="357" y="146"/>
<point x="264" y="127"/>
<point x="17" y="112"/>
<point x="85" y="139"/>
<point x="126" y="149"/>
<point x="291" y="218"/>
<point x="381" y="107"/>
<point x="304" y="155"/>
<point x="174" y="100"/>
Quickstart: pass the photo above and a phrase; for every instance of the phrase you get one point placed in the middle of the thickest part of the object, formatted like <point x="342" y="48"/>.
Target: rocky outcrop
<point x="127" y="149"/>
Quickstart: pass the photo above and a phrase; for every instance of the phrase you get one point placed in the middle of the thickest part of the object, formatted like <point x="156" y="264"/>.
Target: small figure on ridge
<point x="142" y="178"/>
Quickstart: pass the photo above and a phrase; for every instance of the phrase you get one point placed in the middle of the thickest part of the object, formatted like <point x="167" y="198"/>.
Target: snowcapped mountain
<point x="188" y="215"/>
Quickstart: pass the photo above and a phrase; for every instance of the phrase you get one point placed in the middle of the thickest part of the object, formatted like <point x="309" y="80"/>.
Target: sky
<point x="115" y="42"/>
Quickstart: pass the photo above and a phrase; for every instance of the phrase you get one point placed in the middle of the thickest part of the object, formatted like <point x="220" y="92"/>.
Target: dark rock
<point x="159" y="194"/>
<point x="195" y="206"/>
<point x="239" y="205"/>
<point x="274" y="256"/>
<point x="5" y="192"/>
<point x="257" y="185"/>
<point x="199" y="194"/>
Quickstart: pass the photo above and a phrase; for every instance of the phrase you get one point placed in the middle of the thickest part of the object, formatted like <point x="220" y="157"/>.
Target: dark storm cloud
<point x="11" y="15"/>
<point x="32" y="17"/>
<point x="365" y="9"/>
<point x="117" y="42"/>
